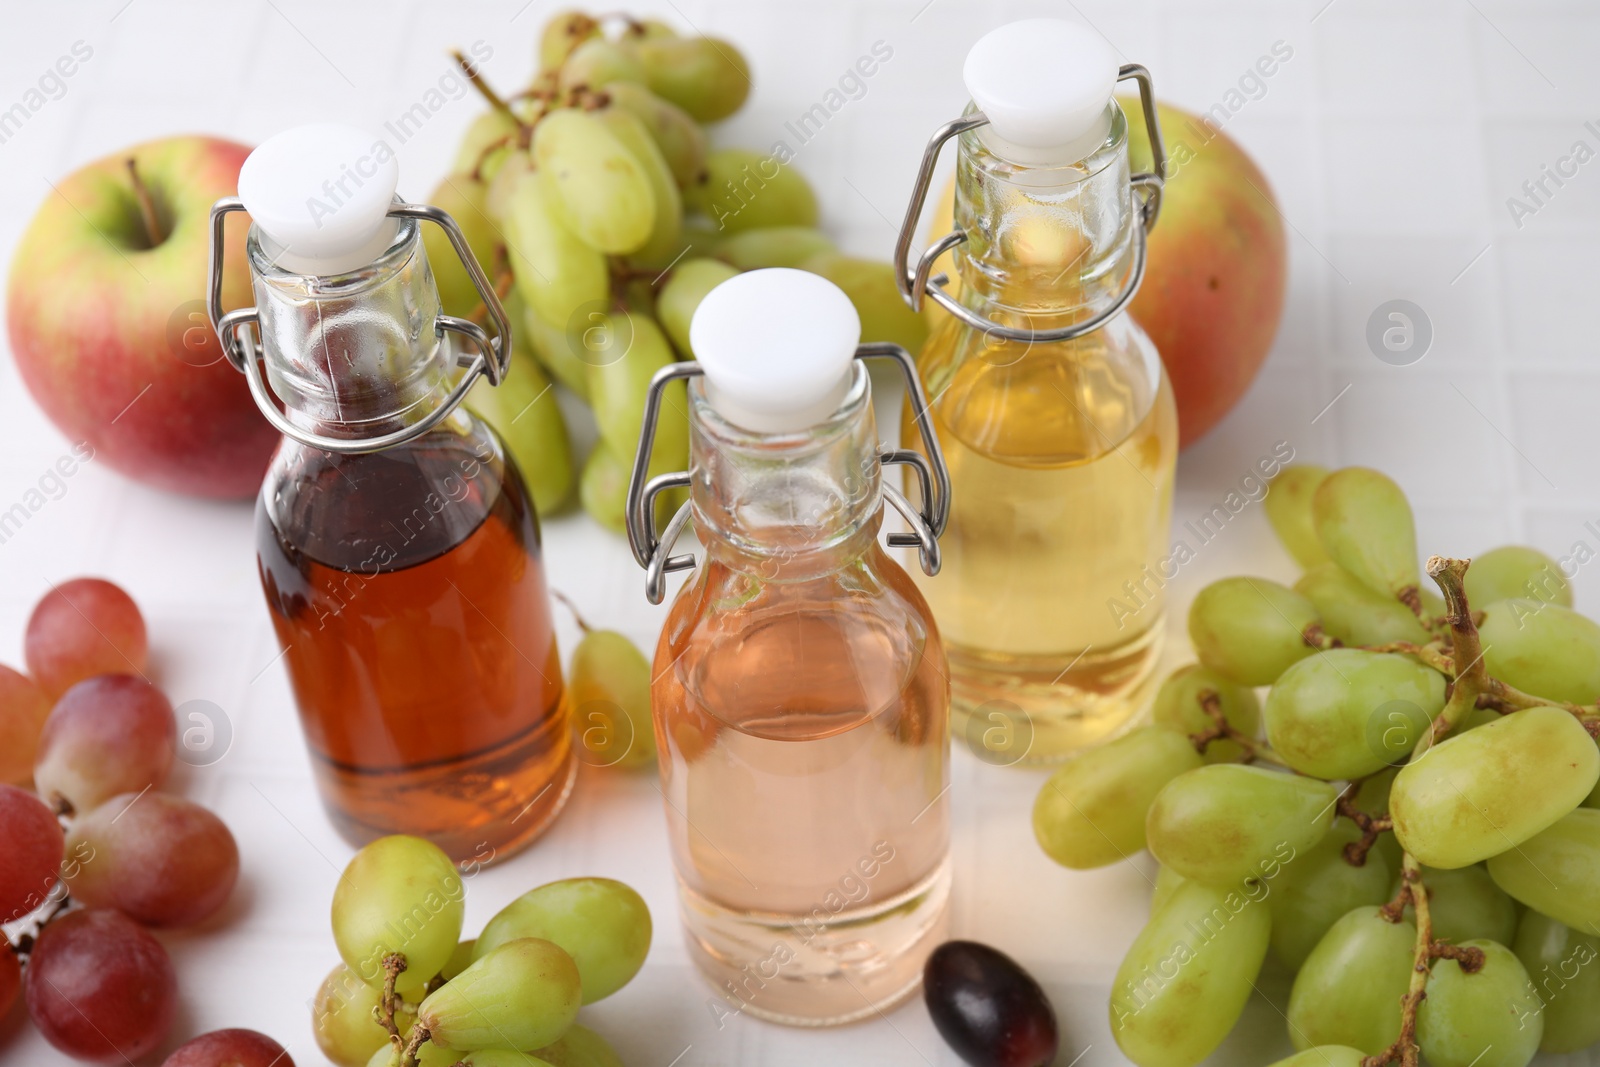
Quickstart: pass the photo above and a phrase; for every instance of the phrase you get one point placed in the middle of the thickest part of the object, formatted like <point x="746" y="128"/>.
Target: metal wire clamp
<point x="239" y="331"/>
<point x="915" y="282"/>
<point x="927" y="521"/>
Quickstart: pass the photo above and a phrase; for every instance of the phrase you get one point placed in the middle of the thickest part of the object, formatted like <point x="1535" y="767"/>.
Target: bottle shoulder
<point x="1045" y="404"/>
<point x="864" y="627"/>
<point x="417" y="500"/>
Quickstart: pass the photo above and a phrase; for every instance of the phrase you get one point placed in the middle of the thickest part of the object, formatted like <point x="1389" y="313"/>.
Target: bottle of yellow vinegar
<point x="1054" y="412"/>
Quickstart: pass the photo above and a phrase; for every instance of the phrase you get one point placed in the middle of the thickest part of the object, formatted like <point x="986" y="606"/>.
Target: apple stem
<point x="147" y="205"/>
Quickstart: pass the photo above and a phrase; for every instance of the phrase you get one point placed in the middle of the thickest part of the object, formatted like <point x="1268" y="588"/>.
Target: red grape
<point x="110" y="734"/>
<point x="30" y="852"/>
<point x="987" y="1008"/>
<point x="10" y="979"/>
<point x="160" y="859"/>
<point x="229" y="1048"/>
<point x="82" y="628"/>
<point x="99" y="987"/>
<point x="23" y="707"/>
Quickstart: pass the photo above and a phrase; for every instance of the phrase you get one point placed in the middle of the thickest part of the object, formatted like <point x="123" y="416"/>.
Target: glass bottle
<point x="800" y="701"/>
<point x="398" y="546"/>
<point x="1061" y="451"/>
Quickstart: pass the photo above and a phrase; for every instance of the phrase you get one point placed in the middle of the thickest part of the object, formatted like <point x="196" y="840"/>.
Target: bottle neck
<point x="355" y="354"/>
<point x="1049" y="240"/>
<point x="786" y="507"/>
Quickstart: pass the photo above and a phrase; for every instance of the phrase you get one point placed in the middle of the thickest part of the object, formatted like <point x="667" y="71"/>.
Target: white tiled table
<point x="1393" y="137"/>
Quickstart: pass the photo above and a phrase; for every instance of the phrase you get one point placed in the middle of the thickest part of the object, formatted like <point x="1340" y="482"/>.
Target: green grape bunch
<point x="411" y="993"/>
<point x="1409" y="819"/>
<point x="594" y="199"/>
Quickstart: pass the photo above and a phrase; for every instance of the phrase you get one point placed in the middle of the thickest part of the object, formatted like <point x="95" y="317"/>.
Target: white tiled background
<point x="1392" y="137"/>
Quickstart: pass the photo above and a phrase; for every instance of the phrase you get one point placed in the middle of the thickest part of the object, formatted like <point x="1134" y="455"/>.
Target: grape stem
<point x="1414" y="893"/>
<point x="25" y="943"/>
<point x="1466" y="652"/>
<point x="1371" y="826"/>
<point x="419" y="1037"/>
<point x="577" y="616"/>
<point x="475" y="76"/>
<point x="393" y="964"/>
<point x="1221" y="729"/>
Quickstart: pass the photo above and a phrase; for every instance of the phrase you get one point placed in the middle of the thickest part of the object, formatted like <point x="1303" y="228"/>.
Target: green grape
<point x="603" y="924"/>
<point x="487" y="145"/>
<point x="467" y="201"/>
<point x="557" y="351"/>
<point x="1477" y="717"/>
<point x="1564" y="967"/>
<point x="1348" y="991"/>
<point x="1177" y="707"/>
<point x="521" y="994"/>
<point x="774" y="246"/>
<point x="598" y="63"/>
<point x="680" y="138"/>
<point x="1557" y="872"/>
<point x="706" y="76"/>
<point x="1514" y="571"/>
<point x="1318" y="888"/>
<point x="342" y="1021"/>
<point x="1354" y="613"/>
<point x="1091" y="812"/>
<point x="580" y="1047"/>
<point x="431" y="1055"/>
<point x="744" y="190"/>
<point x="1465" y="905"/>
<point x="1226" y="822"/>
<point x="1477" y="794"/>
<point x="398" y="894"/>
<point x="1250" y="629"/>
<point x="459" y="959"/>
<point x="556" y="273"/>
<point x="564" y="32"/>
<point x="1347" y="713"/>
<point x="1187" y="976"/>
<point x="1542" y="648"/>
<point x="625" y="355"/>
<point x="871" y="288"/>
<point x="691" y="280"/>
<point x="1167" y="883"/>
<point x="1324" y="1056"/>
<point x="1593" y="799"/>
<point x="1490" y="1018"/>
<point x="595" y="184"/>
<point x="1364" y="522"/>
<point x="665" y="240"/>
<point x="609" y="693"/>
<point x="1288" y="507"/>
<point x="603" y="487"/>
<point x="524" y="412"/>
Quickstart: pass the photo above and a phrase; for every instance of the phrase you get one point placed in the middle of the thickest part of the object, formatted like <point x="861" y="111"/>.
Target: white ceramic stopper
<point x="1044" y="84"/>
<point x="322" y="193"/>
<point x="776" y="346"/>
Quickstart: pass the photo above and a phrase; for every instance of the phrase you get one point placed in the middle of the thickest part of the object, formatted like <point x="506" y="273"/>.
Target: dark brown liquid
<point x="408" y="592"/>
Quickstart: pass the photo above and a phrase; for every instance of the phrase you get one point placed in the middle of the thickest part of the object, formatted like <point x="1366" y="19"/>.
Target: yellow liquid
<point x="1061" y="467"/>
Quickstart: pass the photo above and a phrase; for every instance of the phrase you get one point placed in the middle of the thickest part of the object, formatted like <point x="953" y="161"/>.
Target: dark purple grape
<point x="987" y="1008"/>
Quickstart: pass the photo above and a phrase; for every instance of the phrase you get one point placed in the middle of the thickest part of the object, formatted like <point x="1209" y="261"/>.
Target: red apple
<point x="108" y="324"/>
<point x="1213" y="293"/>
